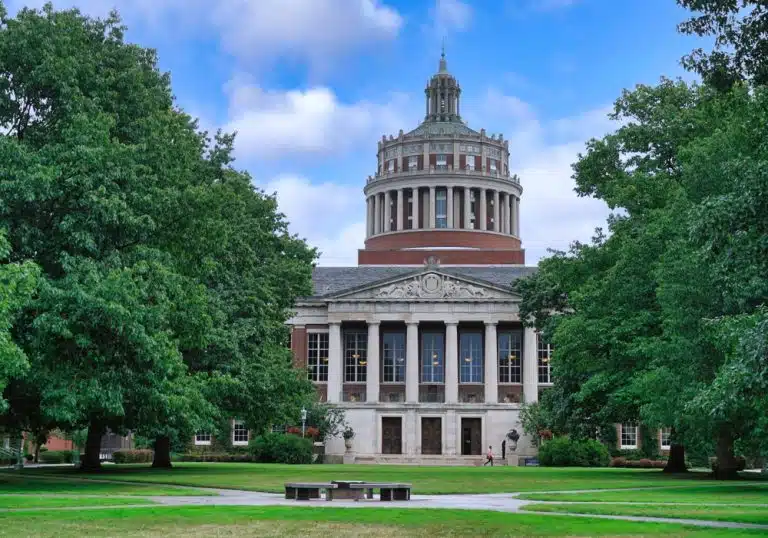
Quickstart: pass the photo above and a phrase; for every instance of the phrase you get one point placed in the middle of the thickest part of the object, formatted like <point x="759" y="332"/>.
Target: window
<point x="510" y="357"/>
<point x="470" y="162"/>
<point x="545" y="360"/>
<point x="628" y="436"/>
<point x="413" y="162"/>
<point x="665" y="438"/>
<point x="355" y="356"/>
<point x="493" y="165"/>
<point x="203" y="438"/>
<point x="442" y="162"/>
<point x="393" y="358"/>
<point x="317" y="357"/>
<point x="391" y="165"/>
<point x="239" y="433"/>
<point x="471" y="357"/>
<point x="432" y="357"/>
<point x="472" y="208"/>
<point x="441" y="208"/>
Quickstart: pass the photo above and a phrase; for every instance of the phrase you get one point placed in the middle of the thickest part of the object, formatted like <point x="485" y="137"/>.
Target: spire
<point x="443" y="63"/>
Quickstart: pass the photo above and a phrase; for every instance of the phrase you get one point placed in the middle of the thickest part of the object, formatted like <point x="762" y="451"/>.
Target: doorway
<point x="391" y="435"/>
<point x="431" y="435"/>
<point x="471" y="433"/>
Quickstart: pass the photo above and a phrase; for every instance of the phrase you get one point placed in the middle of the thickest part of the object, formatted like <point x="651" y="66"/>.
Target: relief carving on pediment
<point x="432" y="286"/>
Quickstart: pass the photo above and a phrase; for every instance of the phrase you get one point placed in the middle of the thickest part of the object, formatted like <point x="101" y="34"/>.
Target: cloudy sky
<point x="311" y="85"/>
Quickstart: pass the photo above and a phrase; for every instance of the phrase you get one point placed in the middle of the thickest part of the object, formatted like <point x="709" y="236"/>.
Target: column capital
<point x="451" y="323"/>
<point x="377" y="322"/>
<point x="332" y="323"/>
<point x="491" y="323"/>
<point x="412" y="322"/>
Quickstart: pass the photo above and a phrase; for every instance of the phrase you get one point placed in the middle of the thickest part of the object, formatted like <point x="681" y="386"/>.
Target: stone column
<point x="375" y="221"/>
<point x="491" y="364"/>
<point x="530" y="366"/>
<point x="449" y="203"/>
<point x="511" y="214"/>
<point x="467" y="208"/>
<point x="368" y="217"/>
<point x="517" y="216"/>
<point x="335" y="360"/>
<point x="400" y="210"/>
<point x="451" y="362"/>
<point x="372" y="368"/>
<point x="412" y="363"/>
<point x="496" y="211"/>
<point x="431" y="207"/>
<point x="415" y="220"/>
<point x="504" y="213"/>
<point x="387" y="211"/>
<point x="483" y="210"/>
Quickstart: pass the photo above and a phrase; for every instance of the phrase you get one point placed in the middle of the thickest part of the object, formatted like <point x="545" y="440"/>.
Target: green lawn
<point x="426" y="480"/>
<point x="743" y="514"/>
<point x="742" y="492"/>
<point x="315" y="521"/>
<point x="37" y="501"/>
<point x="69" y="483"/>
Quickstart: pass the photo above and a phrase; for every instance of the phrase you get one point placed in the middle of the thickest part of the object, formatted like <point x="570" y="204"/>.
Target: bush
<point x="644" y="463"/>
<point x="566" y="452"/>
<point x="218" y="457"/>
<point x="281" y="448"/>
<point x="132" y="456"/>
<point x="57" y="456"/>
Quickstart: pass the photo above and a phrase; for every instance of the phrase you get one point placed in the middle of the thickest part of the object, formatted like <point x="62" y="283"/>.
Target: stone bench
<point x="388" y="491"/>
<point x="305" y="491"/>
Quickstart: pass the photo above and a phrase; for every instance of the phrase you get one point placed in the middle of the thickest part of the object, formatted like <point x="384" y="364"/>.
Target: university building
<point x="421" y="343"/>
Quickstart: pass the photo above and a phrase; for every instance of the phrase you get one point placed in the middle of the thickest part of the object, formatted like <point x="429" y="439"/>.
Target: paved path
<point x="501" y="502"/>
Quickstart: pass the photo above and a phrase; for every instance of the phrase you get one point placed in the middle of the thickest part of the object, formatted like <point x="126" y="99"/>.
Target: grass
<point x="27" y="482"/>
<point x="426" y="480"/>
<point x="36" y="501"/>
<point x="743" y="493"/>
<point x="283" y="521"/>
<point x="742" y="514"/>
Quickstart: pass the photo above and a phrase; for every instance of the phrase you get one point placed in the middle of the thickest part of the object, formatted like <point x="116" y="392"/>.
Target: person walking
<point x="489" y="456"/>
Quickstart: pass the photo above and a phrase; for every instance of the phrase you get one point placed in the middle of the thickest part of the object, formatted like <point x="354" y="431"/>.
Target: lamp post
<point x="303" y="421"/>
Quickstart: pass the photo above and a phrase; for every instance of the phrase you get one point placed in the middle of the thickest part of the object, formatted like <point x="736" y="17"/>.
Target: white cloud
<point x="450" y="15"/>
<point x="338" y="230"/>
<point x="272" y="124"/>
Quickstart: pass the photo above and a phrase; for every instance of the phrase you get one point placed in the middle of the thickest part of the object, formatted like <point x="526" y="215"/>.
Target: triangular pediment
<point x="428" y="285"/>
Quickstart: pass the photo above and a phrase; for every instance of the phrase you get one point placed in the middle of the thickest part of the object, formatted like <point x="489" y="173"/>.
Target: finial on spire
<point x="443" y="63"/>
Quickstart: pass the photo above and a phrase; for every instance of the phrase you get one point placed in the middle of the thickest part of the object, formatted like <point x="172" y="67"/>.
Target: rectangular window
<point x="493" y="165"/>
<point x="413" y="162"/>
<point x="545" y="360"/>
<point x="665" y="438"/>
<point x="442" y="162"/>
<point x="471" y="357"/>
<point x="441" y="208"/>
<point x="203" y="438"/>
<point x="510" y="357"/>
<point x="239" y="433"/>
<point x="470" y="162"/>
<point x="391" y="165"/>
<point x="628" y="436"/>
<point x="317" y="357"/>
<point x="393" y="357"/>
<point x="432" y="357"/>
<point x="355" y="356"/>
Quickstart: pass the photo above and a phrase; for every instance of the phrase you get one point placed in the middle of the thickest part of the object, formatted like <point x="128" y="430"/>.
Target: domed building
<point x="421" y="344"/>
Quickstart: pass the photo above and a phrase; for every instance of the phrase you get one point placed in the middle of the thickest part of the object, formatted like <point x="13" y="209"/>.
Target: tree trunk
<point x="91" y="461"/>
<point x="726" y="467"/>
<point x="676" y="461"/>
<point x="37" y="453"/>
<point x="162" y="456"/>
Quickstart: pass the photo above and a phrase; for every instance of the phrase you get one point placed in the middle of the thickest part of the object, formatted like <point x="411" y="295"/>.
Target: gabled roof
<point x="331" y="281"/>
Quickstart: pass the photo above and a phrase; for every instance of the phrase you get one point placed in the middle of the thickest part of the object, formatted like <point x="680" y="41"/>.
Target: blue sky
<point x="311" y="85"/>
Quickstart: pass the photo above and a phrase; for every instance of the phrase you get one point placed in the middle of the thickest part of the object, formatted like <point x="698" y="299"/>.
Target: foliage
<point x="57" y="456"/>
<point x="637" y="463"/>
<point x="281" y="448"/>
<point x="567" y="452"/>
<point x="220" y="457"/>
<point x="349" y="433"/>
<point x="536" y="418"/>
<point x="132" y="456"/>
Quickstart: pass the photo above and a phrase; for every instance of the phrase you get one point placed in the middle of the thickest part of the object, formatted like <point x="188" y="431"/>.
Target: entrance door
<point x="431" y="435"/>
<point x="391" y="435"/>
<point x="471" y="432"/>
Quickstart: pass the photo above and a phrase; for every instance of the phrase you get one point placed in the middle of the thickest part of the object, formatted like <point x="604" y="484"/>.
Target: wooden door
<point x="431" y="435"/>
<point x="471" y="437"/>
<point x="391" y="435"/>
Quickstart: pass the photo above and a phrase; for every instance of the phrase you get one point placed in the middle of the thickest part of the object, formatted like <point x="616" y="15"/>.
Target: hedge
<point x="567" y="452"/>
<point x="57" y="456"/>
<point x="644" y="463"/>
<point x="132" y="456"/>
<point x="219" y="457"/>
<point x="281" y="448"/>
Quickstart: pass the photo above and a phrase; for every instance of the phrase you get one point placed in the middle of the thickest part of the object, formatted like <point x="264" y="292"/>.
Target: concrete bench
<point x="388" y="491"/>
<point x="305" y="491"/>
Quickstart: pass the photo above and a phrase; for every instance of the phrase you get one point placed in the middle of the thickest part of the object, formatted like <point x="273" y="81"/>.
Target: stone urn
<point x="348" y="444"/>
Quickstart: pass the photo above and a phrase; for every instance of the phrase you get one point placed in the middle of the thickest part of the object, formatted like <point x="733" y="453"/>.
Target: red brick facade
<point x="447" y="257"/>
<point x="442" y="238"/>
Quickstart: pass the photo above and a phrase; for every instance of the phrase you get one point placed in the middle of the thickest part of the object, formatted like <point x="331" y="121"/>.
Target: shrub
<point x="566" y="452"/>
<point x="214" y="457"/>
<point x="638" y="464"/>
<point x="132" y="456"/>
<point x="619" y="462"/>
<point x="56" y="456"/>
<point x="281" y="448"/>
